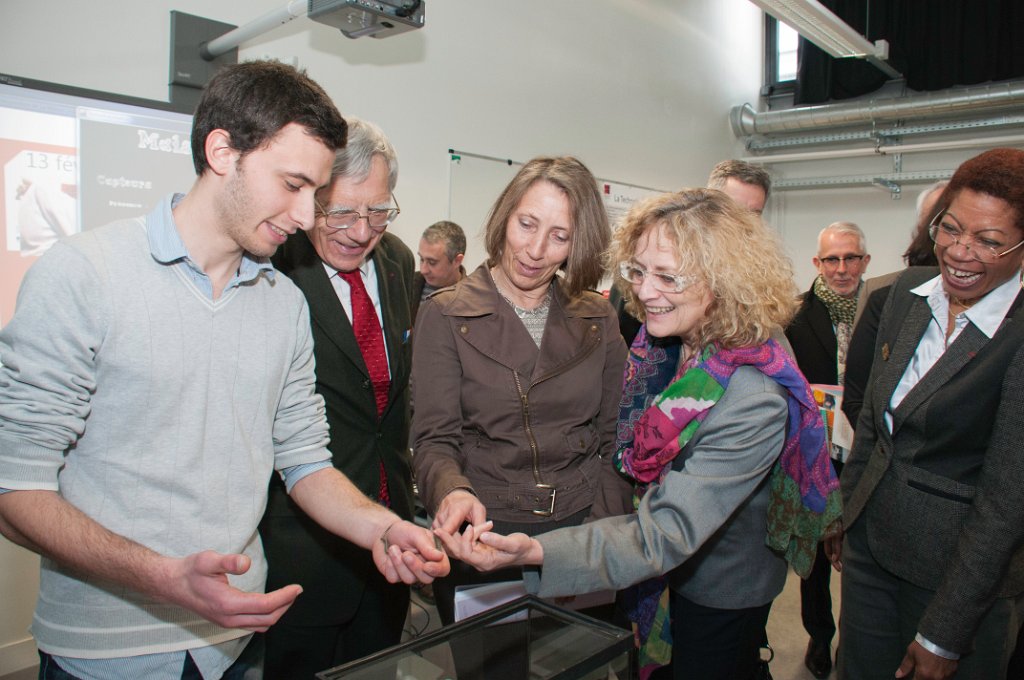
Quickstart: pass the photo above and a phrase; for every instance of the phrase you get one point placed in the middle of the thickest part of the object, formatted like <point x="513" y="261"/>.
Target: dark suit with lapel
<point x="814" y="341"/>
<point x="418" y="283"/>
<point x="940" y="500"/>
<point x="339" y="578"/>
<point x="814" y="345"/>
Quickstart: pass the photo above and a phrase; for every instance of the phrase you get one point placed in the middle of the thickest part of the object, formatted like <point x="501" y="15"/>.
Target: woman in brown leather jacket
<point x="517" y="372"/>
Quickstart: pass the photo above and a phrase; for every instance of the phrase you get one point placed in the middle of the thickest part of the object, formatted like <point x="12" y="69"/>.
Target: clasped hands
<point x="477" y="545"/>
<point x="407" y="552"/>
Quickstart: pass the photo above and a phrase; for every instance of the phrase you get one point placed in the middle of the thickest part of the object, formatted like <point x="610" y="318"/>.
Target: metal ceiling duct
<point x="954" y="103"/>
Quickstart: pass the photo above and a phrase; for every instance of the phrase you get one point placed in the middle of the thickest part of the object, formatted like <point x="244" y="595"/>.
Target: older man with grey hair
<point x="357" y="279"/>
<point x="820" y="335"/>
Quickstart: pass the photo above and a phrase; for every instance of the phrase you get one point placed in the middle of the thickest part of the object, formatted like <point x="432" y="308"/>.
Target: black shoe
<point x="818" y="659"/>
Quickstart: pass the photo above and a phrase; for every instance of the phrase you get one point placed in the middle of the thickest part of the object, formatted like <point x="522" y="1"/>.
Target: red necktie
<point x="371" y="345"/>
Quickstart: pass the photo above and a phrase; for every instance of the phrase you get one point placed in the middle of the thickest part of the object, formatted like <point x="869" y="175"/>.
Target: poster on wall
<point x="38" y="161"/>
<point x="619" y="198"/>
<point x="127" y="169"/>
<point x="70" y="161"/>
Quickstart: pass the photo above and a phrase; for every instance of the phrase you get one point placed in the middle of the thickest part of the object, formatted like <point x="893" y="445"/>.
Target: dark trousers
<point x="715" y="644"/>
<point x="298" y="652"/>
<point x="248" y="665"/>
<point x="816" y="600"/>
<point x="1015" y="669"/>
<point x="881" y="612"/>
<point x="815" y="595"/>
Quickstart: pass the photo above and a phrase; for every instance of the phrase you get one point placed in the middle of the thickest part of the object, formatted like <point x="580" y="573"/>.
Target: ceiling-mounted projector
<point x="375" y="18"/>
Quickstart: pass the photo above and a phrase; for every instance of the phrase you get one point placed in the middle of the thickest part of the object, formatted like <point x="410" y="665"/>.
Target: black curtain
<point x="936" y="44"/>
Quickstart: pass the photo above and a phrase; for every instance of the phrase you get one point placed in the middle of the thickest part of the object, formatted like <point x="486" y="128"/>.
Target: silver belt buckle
<point x="551" y="509"/>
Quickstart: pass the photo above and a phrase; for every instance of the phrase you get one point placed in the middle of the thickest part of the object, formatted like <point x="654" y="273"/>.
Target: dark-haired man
<point x="442" y="248"/>
<point x="154" y="376"/>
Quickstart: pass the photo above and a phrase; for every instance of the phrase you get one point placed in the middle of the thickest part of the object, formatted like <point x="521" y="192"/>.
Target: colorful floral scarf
<point x="660" y="411"/>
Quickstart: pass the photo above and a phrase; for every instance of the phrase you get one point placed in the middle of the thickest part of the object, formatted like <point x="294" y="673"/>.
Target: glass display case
<point x="526" y="639"/>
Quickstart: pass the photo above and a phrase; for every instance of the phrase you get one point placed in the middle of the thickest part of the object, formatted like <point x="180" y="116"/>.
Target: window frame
<point x="772" y="85"/>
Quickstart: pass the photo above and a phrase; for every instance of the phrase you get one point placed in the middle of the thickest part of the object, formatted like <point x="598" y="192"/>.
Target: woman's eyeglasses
<point x="665" y="283"/>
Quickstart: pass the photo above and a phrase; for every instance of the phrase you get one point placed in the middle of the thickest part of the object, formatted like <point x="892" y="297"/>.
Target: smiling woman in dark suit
<point x="933" y="562"/>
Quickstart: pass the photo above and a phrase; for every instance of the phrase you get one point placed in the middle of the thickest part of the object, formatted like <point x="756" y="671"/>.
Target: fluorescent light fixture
<point x="817" y="23"/>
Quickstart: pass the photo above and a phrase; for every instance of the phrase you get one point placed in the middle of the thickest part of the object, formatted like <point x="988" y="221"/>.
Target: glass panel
<point x="531" y="640"/>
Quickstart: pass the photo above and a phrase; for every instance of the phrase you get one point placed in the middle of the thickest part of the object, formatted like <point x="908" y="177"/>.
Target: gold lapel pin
<point x="885" y="351"/>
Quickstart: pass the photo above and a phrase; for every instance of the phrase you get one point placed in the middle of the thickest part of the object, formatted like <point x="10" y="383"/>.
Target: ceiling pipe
<point x="962" y="102"/>
<point x="977" y="142"/>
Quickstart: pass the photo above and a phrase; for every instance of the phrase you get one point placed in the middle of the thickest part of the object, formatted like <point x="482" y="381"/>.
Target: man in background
<point x="820" y="335"/>
<point x="745" y="183"/>
<point x="442" y="248"/>
<point x="357" y="278"/>
<point x="156" y="373"/>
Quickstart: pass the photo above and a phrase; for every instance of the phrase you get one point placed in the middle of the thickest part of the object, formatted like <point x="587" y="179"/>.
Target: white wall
<point x="640" y="91"/>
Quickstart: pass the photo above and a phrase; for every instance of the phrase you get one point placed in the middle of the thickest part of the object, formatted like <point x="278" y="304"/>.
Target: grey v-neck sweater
<point x="158" y="412"/>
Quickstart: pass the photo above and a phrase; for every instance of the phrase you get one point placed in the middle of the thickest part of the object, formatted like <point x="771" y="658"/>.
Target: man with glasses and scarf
<point x="820" y="335"/>
<point x="357" y="279"/>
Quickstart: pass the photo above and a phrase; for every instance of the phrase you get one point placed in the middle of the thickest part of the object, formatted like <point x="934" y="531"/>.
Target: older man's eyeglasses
<point x="833" y="262"/>
<point x="984" y="250"/>
<point x="377" y="218"/>
<point x="665" y="283"/>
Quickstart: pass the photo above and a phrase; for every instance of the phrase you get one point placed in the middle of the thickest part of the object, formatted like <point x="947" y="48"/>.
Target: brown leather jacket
<point x="530" y="431"/>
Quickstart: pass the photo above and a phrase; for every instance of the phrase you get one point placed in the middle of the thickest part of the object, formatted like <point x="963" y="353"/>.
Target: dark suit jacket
<point x="943" y="494"/>
<point x="814" y="341"/>
<point x="862" y="349"/>
<point x="418" y="283"/>
<point x="330" y="569"/>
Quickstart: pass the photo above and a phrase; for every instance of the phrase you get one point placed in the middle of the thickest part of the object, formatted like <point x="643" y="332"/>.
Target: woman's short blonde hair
<point x="591" y="233"/>
<point x="725" y="247"/>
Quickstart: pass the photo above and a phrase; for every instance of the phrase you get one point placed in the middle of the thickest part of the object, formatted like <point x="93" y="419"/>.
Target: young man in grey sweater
<point x="156" y="373"/>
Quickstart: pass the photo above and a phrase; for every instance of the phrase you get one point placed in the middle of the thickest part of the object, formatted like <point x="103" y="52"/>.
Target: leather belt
<point x="539" y="499"/>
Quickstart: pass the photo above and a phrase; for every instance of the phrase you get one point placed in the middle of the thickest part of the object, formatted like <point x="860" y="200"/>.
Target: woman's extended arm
<point x="733" y="452"/>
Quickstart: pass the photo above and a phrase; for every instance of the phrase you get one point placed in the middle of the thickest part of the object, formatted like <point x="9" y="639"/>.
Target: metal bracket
<point x="189" y="71"/>
<point x="895" y="190"/>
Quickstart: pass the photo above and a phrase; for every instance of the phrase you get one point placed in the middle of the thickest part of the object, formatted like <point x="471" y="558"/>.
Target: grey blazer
<point x="705" y="525"/>
<point x="943" y="494"/>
